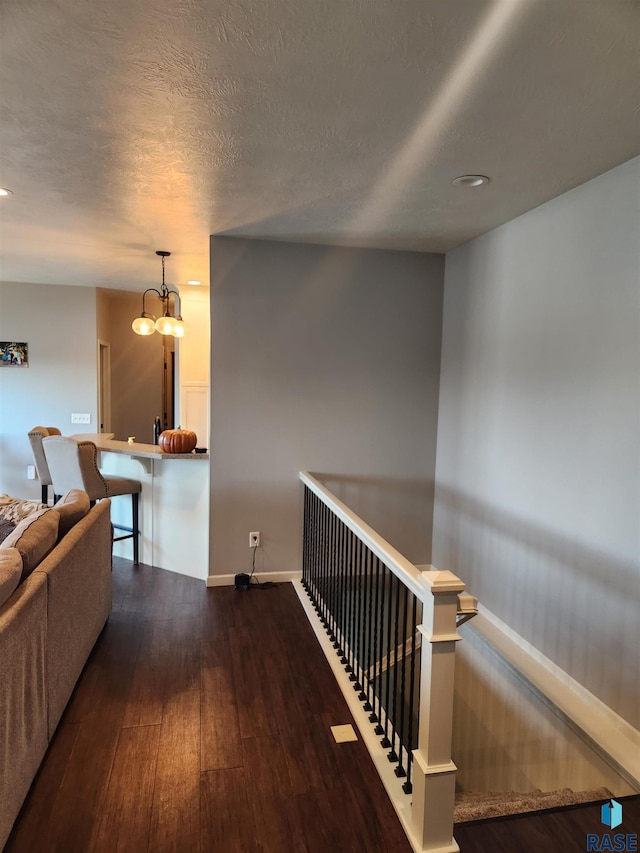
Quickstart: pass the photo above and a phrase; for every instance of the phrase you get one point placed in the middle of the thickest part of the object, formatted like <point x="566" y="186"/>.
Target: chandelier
<point x="170" y="323"/>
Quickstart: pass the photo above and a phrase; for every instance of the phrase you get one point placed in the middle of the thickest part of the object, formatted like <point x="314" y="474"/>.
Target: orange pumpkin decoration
<point x="177" y="440"/>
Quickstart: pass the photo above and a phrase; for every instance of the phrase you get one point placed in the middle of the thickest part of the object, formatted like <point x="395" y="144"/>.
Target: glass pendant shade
<point x="179" y="328"/>
<point x="165" y="325"/>
<point x="144" y="325"/>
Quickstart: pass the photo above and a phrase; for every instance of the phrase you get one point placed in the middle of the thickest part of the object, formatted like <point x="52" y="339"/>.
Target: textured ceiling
<point x="135" y="125"/>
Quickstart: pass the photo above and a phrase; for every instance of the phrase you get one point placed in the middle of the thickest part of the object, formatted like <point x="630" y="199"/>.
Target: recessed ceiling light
<point x="470" y="181"/>
<point x="4" y="191"/>
<point x="193" y="281"/>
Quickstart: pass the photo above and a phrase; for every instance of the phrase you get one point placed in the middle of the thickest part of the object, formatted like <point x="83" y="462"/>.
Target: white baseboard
<point x="263" y="577"/>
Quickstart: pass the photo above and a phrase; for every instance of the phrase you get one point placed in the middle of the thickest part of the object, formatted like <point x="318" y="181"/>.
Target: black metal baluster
<point x="314" y="538"/>
<point x="373" y="717"/>
<point x="350" y="603"/>
<point x="338" y="584"/>
<point x="325" y="567"/>
<point x="380" y="652"/>
<point x="338" y="596"/>
<point x="330" y="570"/>
<point x="318" y="572"/>
<point x="400" y="771"/>
<point x="332" y="580"/>
<point x="344" y="606"/>
<point x="353" y="639"/>
<point x="393" y="756"/>
<point x="413" y="712"/>
<point x="358" y="637"/>
<point x="365" y="696"/>
<point x="385" y="742"/>
<point x="325" y="564"/>
<point x="366" y="623"/>
<point x="337" y="644"/>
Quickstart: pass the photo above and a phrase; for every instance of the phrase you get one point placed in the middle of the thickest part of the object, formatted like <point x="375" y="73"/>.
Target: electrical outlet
<point x="31" y="472"/>
<point x="254" y="539"/>
<point x="80" y="419"/>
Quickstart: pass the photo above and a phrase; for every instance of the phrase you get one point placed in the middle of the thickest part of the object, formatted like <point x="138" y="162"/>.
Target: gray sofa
<point x="55" y="597"/>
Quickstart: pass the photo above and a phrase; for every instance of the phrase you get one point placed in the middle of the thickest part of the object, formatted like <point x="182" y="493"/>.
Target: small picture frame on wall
<point x="14" y="354"/>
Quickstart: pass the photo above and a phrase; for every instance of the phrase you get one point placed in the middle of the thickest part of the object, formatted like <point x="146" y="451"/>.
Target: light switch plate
<point x="80" y="419"/>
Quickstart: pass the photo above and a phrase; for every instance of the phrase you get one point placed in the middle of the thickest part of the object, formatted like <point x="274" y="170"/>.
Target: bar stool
<point x="42" y="469"/>
<point x="74" y="465"/>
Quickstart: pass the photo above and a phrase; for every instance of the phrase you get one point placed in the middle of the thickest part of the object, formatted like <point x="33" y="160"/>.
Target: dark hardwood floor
<point x="202" y="723"/>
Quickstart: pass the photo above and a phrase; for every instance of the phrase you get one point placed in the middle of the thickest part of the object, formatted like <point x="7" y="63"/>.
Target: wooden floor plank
<point x="251" y="681"/>
<point x="220" y="735"/>
<point x="125" y="811"/>
<point x="175" y="815"/>
<point x="266" y="767"/>
<point x="226" y="817"/>
<point x="168" y="662"/>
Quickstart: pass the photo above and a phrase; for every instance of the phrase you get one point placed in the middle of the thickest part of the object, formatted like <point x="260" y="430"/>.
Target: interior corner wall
<point x="327" y="360"/>
<point x="537" y="501"/>
<point x="59" y="325"/>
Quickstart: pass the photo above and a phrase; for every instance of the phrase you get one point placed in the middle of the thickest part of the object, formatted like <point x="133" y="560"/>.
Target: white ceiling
<point x="134" y="125"/>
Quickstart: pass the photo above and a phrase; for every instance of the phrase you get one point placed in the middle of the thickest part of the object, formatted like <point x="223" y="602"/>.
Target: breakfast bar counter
<point x="174" y="504"/>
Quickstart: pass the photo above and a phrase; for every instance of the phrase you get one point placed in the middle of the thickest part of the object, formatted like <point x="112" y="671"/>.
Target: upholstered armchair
<point x="74" y="465"/>
<point x="42" y="469"/>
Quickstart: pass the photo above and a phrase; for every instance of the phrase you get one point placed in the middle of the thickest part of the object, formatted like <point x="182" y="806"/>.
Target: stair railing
<point x="393" y="629"/>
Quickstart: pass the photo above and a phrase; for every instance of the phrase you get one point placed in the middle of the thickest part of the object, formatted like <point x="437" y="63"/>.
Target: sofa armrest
<point x="78" y="573"/>
<point x="23" y="697"/>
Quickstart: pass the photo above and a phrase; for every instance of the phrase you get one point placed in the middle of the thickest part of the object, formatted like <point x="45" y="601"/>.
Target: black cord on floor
<point x="256" y="583"/>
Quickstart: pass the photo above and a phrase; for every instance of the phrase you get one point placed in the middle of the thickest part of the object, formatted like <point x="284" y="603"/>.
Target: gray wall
<point x="59" y="324"/>
<point x="137" y="370"/>
<point x="325" y="359"/>
<point x="538" y="463"/>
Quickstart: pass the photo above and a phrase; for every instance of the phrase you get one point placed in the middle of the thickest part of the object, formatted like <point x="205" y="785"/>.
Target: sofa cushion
<point x="16" y="509"/>
<point x="34" y="537"/>
<point x="72" y="507"/>
<point x="10" y="572"/>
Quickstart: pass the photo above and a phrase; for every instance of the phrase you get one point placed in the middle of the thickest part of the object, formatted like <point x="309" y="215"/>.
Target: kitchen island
<point x="174" y="504"/>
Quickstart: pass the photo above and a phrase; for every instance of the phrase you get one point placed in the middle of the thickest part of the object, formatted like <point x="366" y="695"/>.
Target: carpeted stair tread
<point x="488" y="804"/>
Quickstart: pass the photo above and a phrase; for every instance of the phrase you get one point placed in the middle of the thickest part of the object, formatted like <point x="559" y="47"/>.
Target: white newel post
<point x="434" y="773"/>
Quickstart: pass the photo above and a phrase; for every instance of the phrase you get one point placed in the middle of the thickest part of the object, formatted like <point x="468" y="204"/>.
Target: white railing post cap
<point x="442" y="581"/>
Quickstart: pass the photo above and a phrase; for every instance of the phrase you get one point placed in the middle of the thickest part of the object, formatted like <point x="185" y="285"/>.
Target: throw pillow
<point x="34" y="537"/>
<point x="15" y="509"/>
<point x="72" y="507"/>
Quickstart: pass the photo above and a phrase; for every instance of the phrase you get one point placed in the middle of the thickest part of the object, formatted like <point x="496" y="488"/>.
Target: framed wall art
<point x="14" y="354"/>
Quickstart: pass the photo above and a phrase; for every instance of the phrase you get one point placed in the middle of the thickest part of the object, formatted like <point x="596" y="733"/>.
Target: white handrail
<point x="393" y="560"/>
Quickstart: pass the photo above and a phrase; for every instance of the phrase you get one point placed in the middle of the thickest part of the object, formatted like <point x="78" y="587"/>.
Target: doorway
<point x="104" y="386"/>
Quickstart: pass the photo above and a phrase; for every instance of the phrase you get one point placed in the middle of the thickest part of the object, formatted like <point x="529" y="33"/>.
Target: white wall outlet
<point x="254" y="539"/>
<point x="31" y="472"/>
<point x="80" y="419"/>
